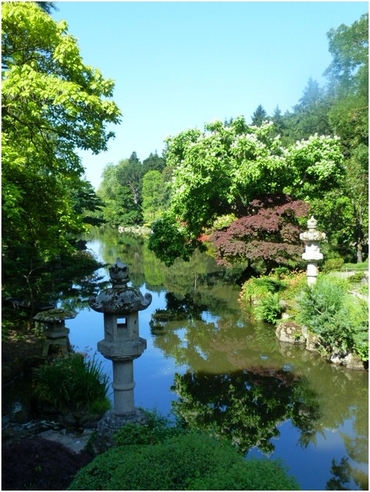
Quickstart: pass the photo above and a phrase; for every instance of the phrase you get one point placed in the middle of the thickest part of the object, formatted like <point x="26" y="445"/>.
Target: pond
<point x="223" y="373"/>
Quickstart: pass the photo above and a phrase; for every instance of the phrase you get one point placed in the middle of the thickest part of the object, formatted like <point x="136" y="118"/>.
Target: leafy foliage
<point x="169" y="241"/>
<point x="269" y="308"/>
<point x="268" y="232"/>
<point x="155" y="430"/>
<point x="340" y="320"/>
<point x="131" y="192"/>
<point x="72" y="382"/>
<point x="154" y="196"/>
<point x="52" y="106"/>
<point x="221" y="170"/>
<point x="189" y="461"/>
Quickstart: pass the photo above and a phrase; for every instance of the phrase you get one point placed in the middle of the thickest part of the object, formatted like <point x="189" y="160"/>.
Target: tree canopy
<point x="52" y="105"/>
<point x="317" y="153"/>
<point x="219" y="171"/>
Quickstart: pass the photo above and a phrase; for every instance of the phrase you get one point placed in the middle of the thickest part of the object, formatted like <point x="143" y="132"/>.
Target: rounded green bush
<point x="191" y="461"/>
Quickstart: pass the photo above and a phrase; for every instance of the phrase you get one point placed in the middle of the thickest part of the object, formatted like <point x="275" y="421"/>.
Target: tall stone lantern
<point x="121" y="344"/>
<point x="312" y="254"/>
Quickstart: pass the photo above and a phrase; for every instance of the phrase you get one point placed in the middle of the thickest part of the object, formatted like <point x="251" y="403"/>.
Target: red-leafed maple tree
<point x="268" y="232"/>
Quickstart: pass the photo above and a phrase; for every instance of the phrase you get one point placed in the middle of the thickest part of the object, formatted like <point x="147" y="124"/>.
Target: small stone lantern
<point x="55" y="330"/>
<point x="122" y="343"/>
<point x="312" y="254"/>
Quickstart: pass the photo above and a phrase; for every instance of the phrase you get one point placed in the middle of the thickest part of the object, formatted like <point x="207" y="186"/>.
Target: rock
<point x="289" y="332"/>
<point x="312" y="340"/>
<point x="110" y="423"/>
<point x="349" y="361"/>
<point x="76" y="442"/>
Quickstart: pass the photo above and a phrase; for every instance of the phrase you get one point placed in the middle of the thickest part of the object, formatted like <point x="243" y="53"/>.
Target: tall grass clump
<point x="72" y="382"/>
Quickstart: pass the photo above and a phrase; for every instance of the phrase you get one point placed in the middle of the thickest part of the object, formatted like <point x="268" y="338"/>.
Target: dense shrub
<point x="340" y="319"/>
<point x="257" y="287"/>
<point x="263" y="296"/>
<point x="269" y="308"/>
<point x="72" y="382"/>
<point x="155" y="430"/>
<point x="332" y="264"/>
<point x="189" y="461"/>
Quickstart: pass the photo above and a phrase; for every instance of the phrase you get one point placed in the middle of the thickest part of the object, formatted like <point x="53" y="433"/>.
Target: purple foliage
<point x="270" y="232"/>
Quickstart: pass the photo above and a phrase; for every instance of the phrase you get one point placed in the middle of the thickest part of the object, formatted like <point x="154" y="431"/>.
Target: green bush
<point x="156" y="429"/>
<point x="356" y="278"/>
<point x="257" y="287"/>
<point x="189" y="461"/>
<point x="340" y="320"/>
<point x="269" y="308"/>
<point x="72" y="382"/>
<point x="263" y="296"/>
<point x="332" y="264"/>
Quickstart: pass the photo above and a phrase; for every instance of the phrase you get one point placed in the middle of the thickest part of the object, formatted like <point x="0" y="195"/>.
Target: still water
<point x="219" y="371"/>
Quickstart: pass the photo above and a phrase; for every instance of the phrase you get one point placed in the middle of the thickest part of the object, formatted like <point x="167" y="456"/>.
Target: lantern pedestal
<point x="121" y="344"/>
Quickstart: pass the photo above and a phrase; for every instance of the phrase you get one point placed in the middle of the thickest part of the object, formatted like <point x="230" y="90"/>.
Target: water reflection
<point x="343" y="474"/>
<point x="232" y="377"/>
<point x="247" y="406"/>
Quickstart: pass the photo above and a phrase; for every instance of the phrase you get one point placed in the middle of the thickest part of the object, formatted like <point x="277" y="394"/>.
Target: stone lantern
<point x="121" y="344"/>
<point x="55" y="330"/>
<point x="312" y="254"/>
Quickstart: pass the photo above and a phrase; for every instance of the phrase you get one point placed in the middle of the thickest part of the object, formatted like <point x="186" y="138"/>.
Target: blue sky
<point x="178" y="65"/>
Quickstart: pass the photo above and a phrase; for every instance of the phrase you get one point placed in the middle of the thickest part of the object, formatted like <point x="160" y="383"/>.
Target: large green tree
<point x="348" y="77"/>
<point x="52" y="106"/>
<point x="310" y="115"/>
<point x="219" y="171"/>
<point x="122" y="190"/>
<point x="154" y="190"/>
<point x="259" y="116"/>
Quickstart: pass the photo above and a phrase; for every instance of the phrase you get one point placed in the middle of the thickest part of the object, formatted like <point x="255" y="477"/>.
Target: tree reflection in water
<point x="247" y="406"/>
<point x="240" y="381"/>
<point x="342" y="475"/>
<point x="219" y="393"/>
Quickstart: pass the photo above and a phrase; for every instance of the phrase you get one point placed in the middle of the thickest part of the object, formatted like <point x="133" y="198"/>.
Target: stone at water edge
<point x="290" y="332"/>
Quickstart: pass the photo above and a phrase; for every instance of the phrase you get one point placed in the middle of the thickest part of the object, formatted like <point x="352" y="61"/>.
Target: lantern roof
<point x="119" y="299"/>
<point x="53" y="315"/>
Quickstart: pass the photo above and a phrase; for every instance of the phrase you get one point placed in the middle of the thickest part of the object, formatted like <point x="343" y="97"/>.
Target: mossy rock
<point x="290" y="332"/>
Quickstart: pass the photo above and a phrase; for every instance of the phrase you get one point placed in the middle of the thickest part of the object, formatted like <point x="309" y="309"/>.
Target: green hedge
<point x="188" y="461"/>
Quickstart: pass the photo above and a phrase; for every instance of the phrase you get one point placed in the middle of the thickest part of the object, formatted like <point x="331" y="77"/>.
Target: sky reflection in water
<point x="311" y="401"/>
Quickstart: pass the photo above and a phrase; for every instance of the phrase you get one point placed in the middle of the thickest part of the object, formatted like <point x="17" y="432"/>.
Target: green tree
<point x="221" y="170"/>
<point x="154" y="163"/>
<point x="310" y="115"/>
<point x="121" y="192"/>
<point x="88" y="204"/>
<point x="348" y="82"/>
<point x="108" y="192"/>
<point x="154" y="190"/>
<point x="259" y="116"/>
<point x="129" y="174"/>
<point x="52" y="105"/>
